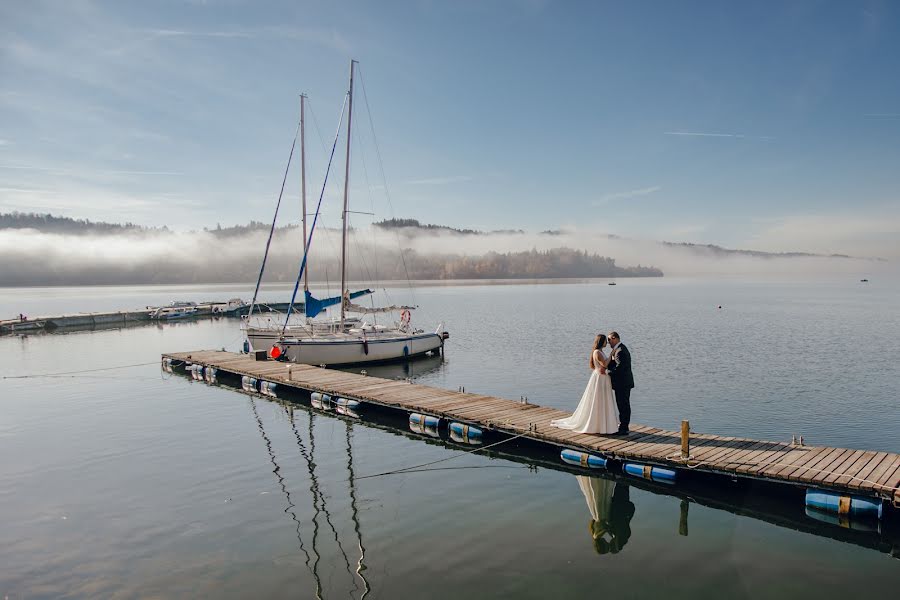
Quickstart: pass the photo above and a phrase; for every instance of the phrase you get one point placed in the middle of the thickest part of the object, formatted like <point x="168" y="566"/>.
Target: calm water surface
<point x="127" y="483"/>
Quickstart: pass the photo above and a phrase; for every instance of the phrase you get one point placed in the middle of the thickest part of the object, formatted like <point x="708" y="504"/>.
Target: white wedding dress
<point x="597" y="412"/>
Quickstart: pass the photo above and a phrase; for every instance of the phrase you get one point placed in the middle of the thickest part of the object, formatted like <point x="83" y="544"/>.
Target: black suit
<point x="622" y="380"/>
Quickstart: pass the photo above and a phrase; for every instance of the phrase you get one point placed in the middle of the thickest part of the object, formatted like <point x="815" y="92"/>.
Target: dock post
<point x="685" y="440"/>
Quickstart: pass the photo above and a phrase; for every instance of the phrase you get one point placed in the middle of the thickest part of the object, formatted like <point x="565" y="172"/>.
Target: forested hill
<point x="52" y="224"/>
<point x="415" y="226"/>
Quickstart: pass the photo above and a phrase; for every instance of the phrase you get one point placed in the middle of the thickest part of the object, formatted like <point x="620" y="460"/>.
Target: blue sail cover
<point x="315" y="306"/>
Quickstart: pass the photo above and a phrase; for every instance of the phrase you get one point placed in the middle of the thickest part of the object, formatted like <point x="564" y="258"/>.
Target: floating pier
<point x="844" y="475"/>
<point x="124" y="318"/>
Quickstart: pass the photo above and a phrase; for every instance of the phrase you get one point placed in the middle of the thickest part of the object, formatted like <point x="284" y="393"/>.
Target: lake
<point x="130" y="482"/>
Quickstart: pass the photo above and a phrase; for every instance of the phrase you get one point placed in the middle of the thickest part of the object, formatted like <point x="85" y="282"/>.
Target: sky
<point x="766" y="125"/>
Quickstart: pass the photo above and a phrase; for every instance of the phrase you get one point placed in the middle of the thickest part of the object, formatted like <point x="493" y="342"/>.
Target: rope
<point x="155" y="362"/>
<point x="315" y="219"/>
<point x="262" y="267"/>
<point x="676" y="456"/>
<point x="387" y="192"/>
<point x="434" y="462"/>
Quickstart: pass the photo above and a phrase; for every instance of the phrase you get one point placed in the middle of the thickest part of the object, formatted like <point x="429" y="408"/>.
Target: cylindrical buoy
<point x="267" y="388"/>
<point x="348" y="403"/>
<point x="658" y="474"/>
<point x="196" y="372"/>
<point x="465" y="434"/>
<point x="845" y="521"/>
<point x="424" y="424"/>
<point x="320" y="401"/>
<point x="844" y="505"/>
<point x="249" y="384"/>
<point x="210" y="374"/>
<point x="347" y="411"/>
<point x="167" y="365"/>
<point x="582" y="459"/>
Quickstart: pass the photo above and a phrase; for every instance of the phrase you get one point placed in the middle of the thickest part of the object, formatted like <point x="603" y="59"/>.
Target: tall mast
<point x="303" y="185"/>
<point x="346" y="197"/>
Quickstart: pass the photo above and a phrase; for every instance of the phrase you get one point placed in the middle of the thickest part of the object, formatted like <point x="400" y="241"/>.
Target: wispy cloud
<point x="882" y="115"/>
<point x="186" y="33"/>
<point x="629" y="194"/>
<point x="439" y="180"/>
<point x="61" y="171"/>
<point x="4" y="142"/>
<point x="718" y="135"/>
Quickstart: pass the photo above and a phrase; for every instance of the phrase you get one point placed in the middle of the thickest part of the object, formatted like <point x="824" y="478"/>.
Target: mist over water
<point x="30" y="257"/>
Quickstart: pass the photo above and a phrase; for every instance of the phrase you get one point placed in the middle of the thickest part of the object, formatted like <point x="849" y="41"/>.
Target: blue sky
<point x="766" y="125"/>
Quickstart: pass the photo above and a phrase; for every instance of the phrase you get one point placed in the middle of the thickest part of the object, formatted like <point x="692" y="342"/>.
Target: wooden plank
<point x="845" y="466"/>
<point x="712" y="448"/>
<point x="887" y="481"/>
<point x="886" y="466"/>
<point x="812" y="472"/>
<point x="743" y="455"/>
<point x="782" y="464"/>
<point x="860" y="477"/>
<point x="852" y="470"/>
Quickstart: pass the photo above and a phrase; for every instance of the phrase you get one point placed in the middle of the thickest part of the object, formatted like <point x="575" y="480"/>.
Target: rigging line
<point x="360" y="566"/>
<point x="30" y="375"/>
<point x="316" y="217"/>
<point x="262" y="267"/>
<point x="387" y="192"/>
<point x="289" y="509"/>
<point x="434" y="462"/>
<point x="459" y="468"/>
<point x="362" y="157"/>
<point x="362" y="255"/>
<point x="316" y="124"/>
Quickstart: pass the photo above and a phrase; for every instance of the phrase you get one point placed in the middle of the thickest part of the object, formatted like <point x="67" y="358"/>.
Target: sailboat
<point x="351" y="338"/>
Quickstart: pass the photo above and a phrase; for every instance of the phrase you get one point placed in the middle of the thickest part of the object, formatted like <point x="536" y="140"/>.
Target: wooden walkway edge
<point x="857" y="472"/>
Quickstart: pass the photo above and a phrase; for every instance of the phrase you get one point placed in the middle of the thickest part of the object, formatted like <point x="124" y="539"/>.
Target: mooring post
<point x="290" y="376"/>
<point x="683" y="521"/>
<point x="685" y="440"/>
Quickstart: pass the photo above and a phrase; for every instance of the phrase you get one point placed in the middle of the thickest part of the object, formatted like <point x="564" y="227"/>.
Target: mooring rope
<point x="31" y="375"/>
<point x="675" y="456"/>
<point x="434" y="462"/>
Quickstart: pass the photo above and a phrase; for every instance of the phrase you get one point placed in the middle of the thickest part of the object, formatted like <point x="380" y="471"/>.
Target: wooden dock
<point x="864" y="473"/>
<point x="124" y="318"/>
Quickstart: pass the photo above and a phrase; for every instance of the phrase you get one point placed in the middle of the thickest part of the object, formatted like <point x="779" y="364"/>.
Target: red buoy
<point x="275" y="352"/>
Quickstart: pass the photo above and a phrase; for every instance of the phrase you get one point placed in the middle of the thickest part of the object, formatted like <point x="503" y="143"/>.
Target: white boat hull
<point x="351" y="350"/>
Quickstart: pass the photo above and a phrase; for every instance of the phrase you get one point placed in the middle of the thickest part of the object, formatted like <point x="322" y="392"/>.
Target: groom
<point x="622" y="380"/>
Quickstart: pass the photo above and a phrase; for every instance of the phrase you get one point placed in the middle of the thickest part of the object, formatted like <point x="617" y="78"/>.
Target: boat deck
<point x="866" y="473"/>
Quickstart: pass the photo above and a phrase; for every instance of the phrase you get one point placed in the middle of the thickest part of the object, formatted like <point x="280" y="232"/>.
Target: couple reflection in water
<point x="611" y="512"/>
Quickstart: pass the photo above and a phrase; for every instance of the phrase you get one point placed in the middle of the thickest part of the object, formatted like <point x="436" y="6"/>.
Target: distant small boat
<point x="864" y="281"/>
<point x="611" y="283"/>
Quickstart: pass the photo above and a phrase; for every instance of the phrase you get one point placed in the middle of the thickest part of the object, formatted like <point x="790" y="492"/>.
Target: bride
<point x="597" y="412"/>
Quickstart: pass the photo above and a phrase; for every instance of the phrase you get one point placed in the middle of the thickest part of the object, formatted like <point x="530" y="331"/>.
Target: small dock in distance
<point x="849" y="473"/>
<point x="125" y="318"/>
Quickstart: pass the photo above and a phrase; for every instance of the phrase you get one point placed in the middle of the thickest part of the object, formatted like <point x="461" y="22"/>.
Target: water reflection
<point x="289" y="509"/>
<point x="409" y="369"/>
<point x="319" y="507"/>
<point x="611" y="511"/>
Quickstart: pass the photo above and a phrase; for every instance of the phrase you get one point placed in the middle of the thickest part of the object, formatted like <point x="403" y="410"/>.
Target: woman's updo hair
<point x="599" y="342"/>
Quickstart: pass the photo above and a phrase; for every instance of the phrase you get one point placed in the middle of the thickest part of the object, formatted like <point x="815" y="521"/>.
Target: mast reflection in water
<point x="318" y="505"/>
